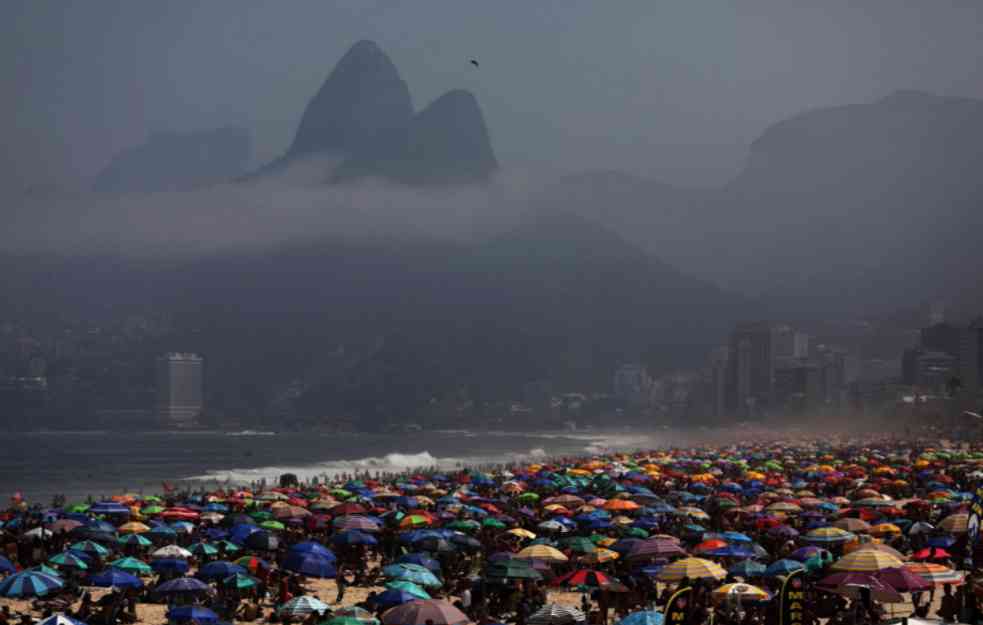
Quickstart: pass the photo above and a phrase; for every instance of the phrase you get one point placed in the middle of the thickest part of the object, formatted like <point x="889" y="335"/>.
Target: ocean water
<point x="80" y="464"/>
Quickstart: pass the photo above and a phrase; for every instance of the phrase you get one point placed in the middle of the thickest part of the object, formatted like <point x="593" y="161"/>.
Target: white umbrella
<point x="38" y="532"/>
<point x="556" y="614"/>
<point x="171" y="551"/>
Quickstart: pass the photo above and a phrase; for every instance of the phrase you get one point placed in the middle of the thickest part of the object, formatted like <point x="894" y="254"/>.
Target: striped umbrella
<point x="60" y="619"/>
<point x="29" y="584"/>
<point x="556" y="614"/>
<point x="302" y="606"/>
<point x="132" y="565"/>
<point x="357" y="613"/>
<point x="586" y="577"/>
<point x="94" y="548"/>
<point x="866" y="561"/>
<point x="955" y="523"/>
<point x="240" y="581"/>
<point x="137" y="540"/>
<point x="542" y="552"/>
<point x="829" y="535"/>
<point x="936" y="573"/>
<point x="655" y="548"/>
<point x="69" y="561"/>
<point x="691" y="568"/>
<point x="422" y="611"/>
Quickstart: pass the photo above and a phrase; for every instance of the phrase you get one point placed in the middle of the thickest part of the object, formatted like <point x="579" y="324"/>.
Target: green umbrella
<point x="229" y="546"/>
<point x="132" y="565"/>
<point x="408" y="587"/>
<point x="240" y="581"/>
<point x="579" y="544"/>
<point x="134" y="539"/>
<point x="464" y="525"/>
<point x="261" y="515"/>
<point x="78" y="508"/>
<point x="68" y="560"/>
<point x="528" y="498"/>
<point x="152" y="510"/>
<point x="493" y="523"/>
<point x="47" y="570"/>
<point x="203" y="549"/>
<point x="87" y="546"/>
<point x="635" y="532"/>
<point x="273" y="525"/>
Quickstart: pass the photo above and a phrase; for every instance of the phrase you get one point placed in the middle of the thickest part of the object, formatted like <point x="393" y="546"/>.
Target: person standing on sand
<point x="341" y="583"/>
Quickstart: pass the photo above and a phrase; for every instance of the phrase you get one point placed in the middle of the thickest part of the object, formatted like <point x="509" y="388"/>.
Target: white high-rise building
<point x="180" y="383"/>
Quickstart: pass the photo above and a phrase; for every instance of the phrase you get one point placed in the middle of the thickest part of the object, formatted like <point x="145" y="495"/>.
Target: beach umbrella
<point x="935" y="573"/>
<point x="6" y="566"/>
<point x="240" y="581"/>
<point x="203" y="549"/>
<point x="91" y="548"/>
<point x="302" y="606"/>
<point x="586" y="577"/>
<point x="866" y="561"/>
<point x="743" y="592"/>
<point x="354" y="612"/>
<point x="182" y="585"/>
<point x="655" y="548"/>
<point x="219" y="570"/>
<point x="172" y="551"/>
<point x="691" y="568"/>
<point x="133" y="566"/>
<point x="354" y="537"/>
<point x="931" y="553"/>
<point x="851" y="524"/>
<point x="170" y="565"/>
<point x="410" y="588"/>
<point x="356" y="522"/>
<point x="783" y="567"/>
<point x="645" y="617"/>
<point x="424" y="612"/>
<point x="194" y="613"/>
<point x="829" y="535"/>
<point x="68" y="560"/>
<point x="436" y="544"/>
<point x="263" y="541"/>
<point x="114" y="578"/>
<point x="421" y="559"/>
<point x="133" y="527"/>
<point x="511" y="569"/>
<point x="903" y="580"/>
<point x="542" y="552"/>
<point x="29" y="584"/>
<point x="555" y="614"/>
<point x="64" y="525"/>
<point x="747" y="569"/>
<point x="395" y="596"/>
<point x="955" y="523"/>
<point x="60" y="619"/>
<point x="310" y="564"/>
<point x="136" y="540"/>
<point x="849" y="584"/>
<point x="412" y="573"/>
<point x="314" y="547"/>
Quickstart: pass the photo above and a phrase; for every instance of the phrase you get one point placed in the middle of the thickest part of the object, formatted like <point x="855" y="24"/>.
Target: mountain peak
<point x="362" y="98"/>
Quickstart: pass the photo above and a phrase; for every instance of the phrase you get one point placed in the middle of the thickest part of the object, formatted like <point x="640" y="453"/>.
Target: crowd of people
<point x="756" y="533"/>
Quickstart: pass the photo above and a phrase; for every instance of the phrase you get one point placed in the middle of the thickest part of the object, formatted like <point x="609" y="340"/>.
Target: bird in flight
<point x="474" y="62"/>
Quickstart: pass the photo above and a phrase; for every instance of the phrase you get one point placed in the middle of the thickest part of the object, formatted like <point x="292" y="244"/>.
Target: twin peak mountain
<point x="362" y="118"/>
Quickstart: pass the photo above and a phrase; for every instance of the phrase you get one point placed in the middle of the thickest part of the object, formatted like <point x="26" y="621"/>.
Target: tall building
<point x="752" y="368"/>
<point x="179" y="389"/>
<point x="971" y="359"/>
<point x="632" y="384"/>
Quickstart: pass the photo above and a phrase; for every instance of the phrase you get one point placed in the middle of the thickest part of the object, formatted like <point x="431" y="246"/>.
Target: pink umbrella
<point x="64" y="525"/>
<point x="849" y="585"/>
<point x="438" y="611"/>
<point x="903" y="580"/>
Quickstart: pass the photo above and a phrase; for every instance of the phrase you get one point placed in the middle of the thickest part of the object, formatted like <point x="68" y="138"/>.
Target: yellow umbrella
<point x="866" y="561"/>
<point x="745" y="592"/>
<point x="783" y="506"/>
<point x="542" y="552"/>
<point x="133" y="528"/>
<point x="521" y="533"/>
<point x="883" y="529"/>
<point x="956" y="523"/>
<point x="695" y="513"/>
<point x="600" y="556"/>
<point x="691" y="568"/>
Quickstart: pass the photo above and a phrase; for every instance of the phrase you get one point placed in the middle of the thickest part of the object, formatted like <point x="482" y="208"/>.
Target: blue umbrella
<point x="262" y="541"/>
<point x="60" y="619"/>
<point x="239" y="533"/>
<point x="421" y="559"/>
<point x="170" y="565"/>
<point x="108" y="507"/>
<point x="354" y="537"/>
<point x="182" y="585"/>
<point x="29" y="584"/>
<point x="220" y="569"/>
<point x="310" y="564"/>
<point x="747" y="568"/>
<point x="192" y="613"/>
<point x="783" y="567"/>
<point x="393" y="597"/>
<point x="315" y="548"/>
<point x="943" y="541"/>
<point x="648" y="617"/>
<point x="6" y="566"/>
<point x="114" y="578"/>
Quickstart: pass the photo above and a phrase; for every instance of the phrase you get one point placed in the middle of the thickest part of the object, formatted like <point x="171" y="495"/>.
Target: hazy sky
<point x="670" y="88"/>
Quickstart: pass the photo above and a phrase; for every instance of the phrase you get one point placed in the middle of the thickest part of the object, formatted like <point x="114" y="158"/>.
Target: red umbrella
<point x="424" y="612"/>
<point x="345" y="509"/>
<point x="585" y="577"/>
<point x="931" y="553"/>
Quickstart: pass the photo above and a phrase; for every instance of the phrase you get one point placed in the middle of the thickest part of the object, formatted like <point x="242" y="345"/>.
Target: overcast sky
<point x="669" y="88"/>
